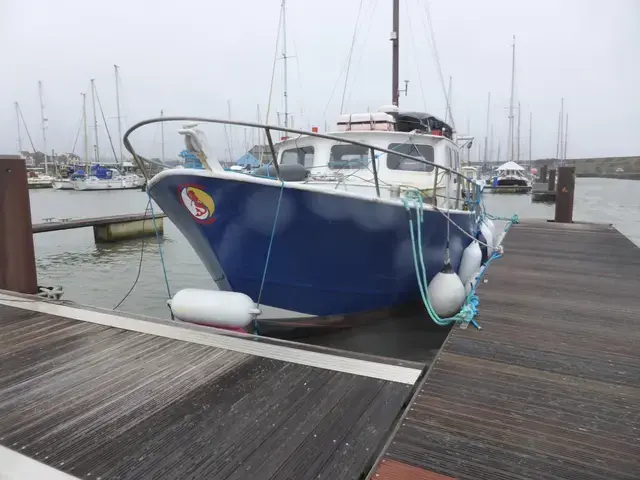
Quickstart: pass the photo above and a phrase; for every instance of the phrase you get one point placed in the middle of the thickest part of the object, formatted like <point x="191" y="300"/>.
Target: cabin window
<point x="348" y="157"/>
<point x="396" y="162"/>
<point x="301" y="155"/>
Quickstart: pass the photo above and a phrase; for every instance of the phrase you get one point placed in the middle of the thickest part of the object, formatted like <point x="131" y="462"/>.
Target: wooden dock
<point x="541" y="192"/>
<point x="57" y="224"/>
<point x="111" y="228"/>
<point x="550" y="387"/>
<point x="100" y="396"/>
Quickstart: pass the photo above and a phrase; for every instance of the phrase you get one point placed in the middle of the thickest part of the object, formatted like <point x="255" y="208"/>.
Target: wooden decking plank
<point x="96" y="401"/>
<point x="550" y="388"/>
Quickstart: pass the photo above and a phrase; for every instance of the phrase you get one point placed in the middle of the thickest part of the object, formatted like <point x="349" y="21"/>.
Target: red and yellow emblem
<point x="199" y="203"/>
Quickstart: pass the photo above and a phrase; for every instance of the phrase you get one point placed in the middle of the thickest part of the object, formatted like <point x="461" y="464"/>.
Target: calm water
<point x="101" y="275"/>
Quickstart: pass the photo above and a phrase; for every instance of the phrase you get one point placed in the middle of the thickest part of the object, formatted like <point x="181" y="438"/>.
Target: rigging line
<point x="345" y="65"/>
<point x="273" y="69"/>
<point x="335" y="86"/>
<point x="353" y="41"/>
<point x="27" y="129"/>
<point x="413" y="44"/>
<point x="427" y="11"/>
<point x="362" y="52"/>
<point x="105" y="125"/>
<point x="296" y="56"/>
<point x="73" y="149"/>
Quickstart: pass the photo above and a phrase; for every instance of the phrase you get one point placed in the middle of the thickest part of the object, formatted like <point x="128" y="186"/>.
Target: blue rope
<point x="155" y="227"/>
<point x="469" y="309"/>
<point x="273" y="232"/>
<point x="266" y="263"/>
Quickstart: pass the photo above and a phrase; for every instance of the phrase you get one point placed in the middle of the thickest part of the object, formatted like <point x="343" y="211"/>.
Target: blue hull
<point x="330" y="254"/>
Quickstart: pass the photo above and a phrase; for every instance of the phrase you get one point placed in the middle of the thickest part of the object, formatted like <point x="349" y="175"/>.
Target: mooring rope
<point x="469" y="310"/>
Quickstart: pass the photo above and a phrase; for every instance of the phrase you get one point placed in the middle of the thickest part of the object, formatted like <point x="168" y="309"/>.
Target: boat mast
<point x="162" y="135"/>
<point x="96" y="146"/>
<point x="18" y="123"/>
<point x="511" y="98"/>
<point x="44" y="128"/>
<point x="530" y="135"/>
<point x="447" y="113"/>
<point x="84" y="123"/>
<point x="284" y="58"/>
<point x="118" y="110"/>
<point x="566" y="129"/>
<point x="561" y="135"/>
<point x="518" y="147"/>
<point x="486" y="136"/>
<point x="395" y="67"/>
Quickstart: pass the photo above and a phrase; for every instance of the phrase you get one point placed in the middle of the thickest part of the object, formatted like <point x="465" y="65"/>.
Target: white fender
<point x="470" y="262"/>
<point x="471" y="283"/>
<point x="486" y="232"/>
<point x="215" y="308"/>
<point x="446" y="293"/>
<point x="492" y="227"/>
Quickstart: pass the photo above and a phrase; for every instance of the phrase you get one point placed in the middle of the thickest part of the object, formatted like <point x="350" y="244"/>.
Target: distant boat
<point x="36" y="179"/>
<point x="62" y="184"/>
<point x="509" y="177"/>
<point x="102" y="178"/>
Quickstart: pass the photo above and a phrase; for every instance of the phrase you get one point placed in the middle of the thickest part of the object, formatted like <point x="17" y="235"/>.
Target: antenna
<point x="44" y="128"/>
<point x="118" y="110"/>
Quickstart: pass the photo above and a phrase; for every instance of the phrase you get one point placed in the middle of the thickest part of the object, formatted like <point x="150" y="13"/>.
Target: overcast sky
<point x="194" y="57"/>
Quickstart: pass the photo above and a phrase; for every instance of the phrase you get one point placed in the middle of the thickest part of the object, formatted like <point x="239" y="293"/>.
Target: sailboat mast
<point x="162" y="135"/>
<point x="395" y="67"/>
<point x="561" y="128"/>
<point x="511" y="98"/>
<point x="84" y="126"/>
<point x="44" y="128"/>
<point x="447" y="113"/>
<point x="486" y="136"/>
<point x="115" y="67"/>
<point x="518" y="147"/>
<point x="566" y="129"/>
<point x="96" y="146"/>
<point x="530" y="135"/>
<point x="284" y="59"/>
<point x="18" y="124"/>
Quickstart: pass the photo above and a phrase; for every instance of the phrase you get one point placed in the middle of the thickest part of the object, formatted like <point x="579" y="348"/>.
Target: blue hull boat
<point x="320" y="252"/>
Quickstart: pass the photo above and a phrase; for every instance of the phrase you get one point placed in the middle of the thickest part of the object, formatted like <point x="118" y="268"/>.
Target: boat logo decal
<point x="199" y="203"/>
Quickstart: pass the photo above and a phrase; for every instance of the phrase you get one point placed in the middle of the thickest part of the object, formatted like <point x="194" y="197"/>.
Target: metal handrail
<point x="140" y="159"/>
